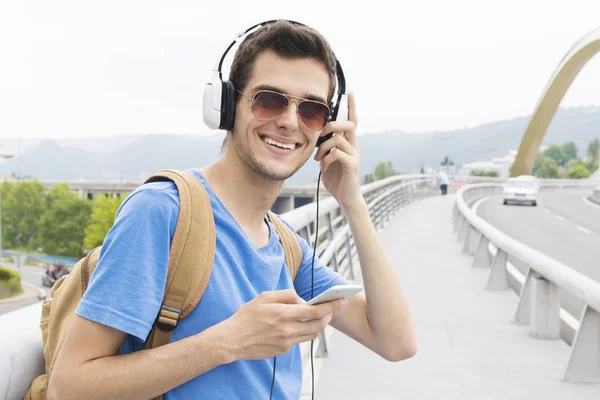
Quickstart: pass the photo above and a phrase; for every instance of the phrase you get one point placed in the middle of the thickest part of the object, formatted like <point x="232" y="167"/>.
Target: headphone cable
<point x="312" y="286"/>
<point x="273" y="381"/>
<point x="312" y="290"/>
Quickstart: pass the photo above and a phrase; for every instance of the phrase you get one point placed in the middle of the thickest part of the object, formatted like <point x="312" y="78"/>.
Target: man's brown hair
<point x="287" y="39"/>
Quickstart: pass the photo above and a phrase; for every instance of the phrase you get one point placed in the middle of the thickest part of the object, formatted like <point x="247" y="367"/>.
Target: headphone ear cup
<point x="227" y="106"/>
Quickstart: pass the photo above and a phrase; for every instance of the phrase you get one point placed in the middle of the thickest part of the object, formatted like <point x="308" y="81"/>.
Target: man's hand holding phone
<point x="340" y="167"/>
<point x="272" y="323"/>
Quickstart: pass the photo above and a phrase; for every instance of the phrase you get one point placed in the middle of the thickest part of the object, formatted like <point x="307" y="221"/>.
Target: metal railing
<point x="335" y="245"/>
<point x="539" y="291"/>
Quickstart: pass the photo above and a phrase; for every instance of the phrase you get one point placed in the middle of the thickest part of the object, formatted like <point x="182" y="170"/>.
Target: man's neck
<point x="245" y="194"/>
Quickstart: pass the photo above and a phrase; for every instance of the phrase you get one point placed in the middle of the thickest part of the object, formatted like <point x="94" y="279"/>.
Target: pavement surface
<point x="469" y="348"/>
<point x="31" y="282"/>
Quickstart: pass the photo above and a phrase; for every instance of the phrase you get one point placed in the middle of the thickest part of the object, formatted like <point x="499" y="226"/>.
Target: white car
<point x="522" y="189"/>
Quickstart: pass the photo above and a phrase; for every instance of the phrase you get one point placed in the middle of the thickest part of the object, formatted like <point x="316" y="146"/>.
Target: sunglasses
<point x="267" y="104"/>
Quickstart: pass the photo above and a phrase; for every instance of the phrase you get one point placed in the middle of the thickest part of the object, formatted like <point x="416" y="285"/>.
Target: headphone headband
<point x="219" y="95"/>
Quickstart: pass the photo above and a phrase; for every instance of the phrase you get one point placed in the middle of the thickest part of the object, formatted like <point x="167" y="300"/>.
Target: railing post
<point x="471" y="241"/>
<point x="482" y="259"/>
<point x="464" y="231"/>
<point x="584" y="362"/>
<point x="498" y="279"/>
<point x="468" y="239"/>
<point x="523" y="314"/>
<point x="398" y="199"/>
<point x="458" y="223"/>
<point x="545" y="307"/>
<point x="349" y="256"/>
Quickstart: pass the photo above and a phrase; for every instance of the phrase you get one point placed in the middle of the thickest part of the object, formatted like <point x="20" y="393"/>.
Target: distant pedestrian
<point x="442" y="180"/>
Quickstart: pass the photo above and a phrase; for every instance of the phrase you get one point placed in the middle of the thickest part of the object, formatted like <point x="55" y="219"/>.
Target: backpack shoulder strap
<point x="191" y="255"/>
<point x="289" y="241"/>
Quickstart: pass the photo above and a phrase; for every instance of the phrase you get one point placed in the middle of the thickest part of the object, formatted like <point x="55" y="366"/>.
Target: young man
<point x="251" y="310"/>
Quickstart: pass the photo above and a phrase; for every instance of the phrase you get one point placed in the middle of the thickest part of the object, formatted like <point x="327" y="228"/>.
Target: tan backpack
<point x="190" y="265"/>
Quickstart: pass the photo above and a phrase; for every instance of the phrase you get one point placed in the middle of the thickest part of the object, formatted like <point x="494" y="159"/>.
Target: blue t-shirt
<point x="126" y="289"/>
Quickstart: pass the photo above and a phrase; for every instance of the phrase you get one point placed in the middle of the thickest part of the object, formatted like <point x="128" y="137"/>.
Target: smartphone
<point x="335" y="293"/>
<point x="342" y="115"/>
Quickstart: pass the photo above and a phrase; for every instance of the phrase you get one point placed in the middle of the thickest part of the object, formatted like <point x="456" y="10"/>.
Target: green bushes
<point x="10" y="282"/>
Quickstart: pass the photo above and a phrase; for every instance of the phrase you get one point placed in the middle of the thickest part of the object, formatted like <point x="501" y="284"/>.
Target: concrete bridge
<point x="292" y="196"/>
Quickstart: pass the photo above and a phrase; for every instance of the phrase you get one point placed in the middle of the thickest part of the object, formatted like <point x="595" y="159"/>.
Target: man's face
<point x="303" y="78"/>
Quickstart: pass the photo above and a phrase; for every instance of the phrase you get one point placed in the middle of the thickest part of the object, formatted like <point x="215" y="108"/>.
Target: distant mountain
<point x="134" y="157"/>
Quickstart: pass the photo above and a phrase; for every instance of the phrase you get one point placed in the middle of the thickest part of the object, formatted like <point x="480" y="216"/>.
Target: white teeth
<point x="276" y="143"/>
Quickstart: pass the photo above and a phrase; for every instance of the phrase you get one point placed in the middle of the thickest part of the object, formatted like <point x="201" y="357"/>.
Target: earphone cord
<point x="273" y="381"/>
<point x="312" y="289"/>
<point x="312" y="286"/>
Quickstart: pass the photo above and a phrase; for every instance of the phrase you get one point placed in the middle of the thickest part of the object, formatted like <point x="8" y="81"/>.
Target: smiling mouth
<point x="275" y="143"/>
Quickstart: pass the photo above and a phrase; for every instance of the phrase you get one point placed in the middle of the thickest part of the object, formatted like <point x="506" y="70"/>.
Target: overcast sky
<point x="103" y="68"/>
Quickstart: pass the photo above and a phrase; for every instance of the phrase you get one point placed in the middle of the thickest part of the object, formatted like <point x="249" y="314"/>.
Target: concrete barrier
<point x="20" y="346"/>
<point x="596" y="195"/>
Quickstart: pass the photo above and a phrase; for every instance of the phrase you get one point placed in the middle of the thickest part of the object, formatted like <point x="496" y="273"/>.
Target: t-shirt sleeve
<point x="127" y="287"/>
<point x="325" y="277"/>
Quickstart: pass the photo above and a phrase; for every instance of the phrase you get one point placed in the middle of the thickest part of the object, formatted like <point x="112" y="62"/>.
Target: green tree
<point x="578" y="171"/>
<point x="23" y="205"/>
<point x="384" y="170"/>
<point x="557" y="153"/>
<point x="594" y="149"/>
<point x="103" y="216"/>
<point x="446" y="162"/>
<point x="570" y="150"/>
<point x="492" y="174"/>
<point x="591" y="165"/>
<point x="594" y="155"/>
<point x="545" y="167"/>
<point x="62" y="227"/>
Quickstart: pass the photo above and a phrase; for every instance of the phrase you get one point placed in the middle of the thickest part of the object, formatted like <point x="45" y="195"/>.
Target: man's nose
<point x="289" y="118"/>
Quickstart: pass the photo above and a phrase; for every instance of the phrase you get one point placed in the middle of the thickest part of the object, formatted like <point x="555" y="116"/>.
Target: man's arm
<point x="381" y="321"/>
<point x="90" y="366"/>
<point x="380" y="318"/>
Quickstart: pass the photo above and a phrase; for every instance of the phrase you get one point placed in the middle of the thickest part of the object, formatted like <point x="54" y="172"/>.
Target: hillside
<point x="134" y="157"/>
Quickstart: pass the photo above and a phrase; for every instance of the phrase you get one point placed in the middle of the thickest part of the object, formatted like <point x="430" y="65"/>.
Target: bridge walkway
<point x="469" y="348"/>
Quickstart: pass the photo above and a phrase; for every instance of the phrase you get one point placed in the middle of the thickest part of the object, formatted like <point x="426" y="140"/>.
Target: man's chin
<point x="276" y="173"/>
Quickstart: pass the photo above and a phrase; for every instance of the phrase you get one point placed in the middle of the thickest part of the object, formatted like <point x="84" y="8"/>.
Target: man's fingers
<point x="304" y="312"/>
<point x="339" y="142"/>
<point x="288" y="296"/>
<point x="313" y="326"/>
<point x="352" y="116"/>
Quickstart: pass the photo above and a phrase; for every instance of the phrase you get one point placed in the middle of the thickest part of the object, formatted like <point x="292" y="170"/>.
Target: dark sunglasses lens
<point x="268" y="105"/>
<point x="313" y="114"/>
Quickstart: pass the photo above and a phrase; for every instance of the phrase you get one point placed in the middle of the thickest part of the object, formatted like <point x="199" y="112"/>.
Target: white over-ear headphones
<point x="219" y="95"/>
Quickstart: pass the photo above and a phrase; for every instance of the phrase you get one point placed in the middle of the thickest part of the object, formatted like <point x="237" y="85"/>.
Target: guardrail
<point x="539" y="296"/>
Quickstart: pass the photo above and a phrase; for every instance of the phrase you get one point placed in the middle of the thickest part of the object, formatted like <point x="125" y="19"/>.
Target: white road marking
<point x="585" y="200"/>
<point x="584" y="230"/>
<point x="558" y="217"/>
<point x="476" y="205"/>
<point x="548" y="211"/>
<point x="515" y="272"/>
<point x="569" y="319"/>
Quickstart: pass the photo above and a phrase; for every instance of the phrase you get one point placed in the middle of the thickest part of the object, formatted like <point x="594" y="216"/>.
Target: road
<point x="563" y="226"/>
<point x="33" y="277"/>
